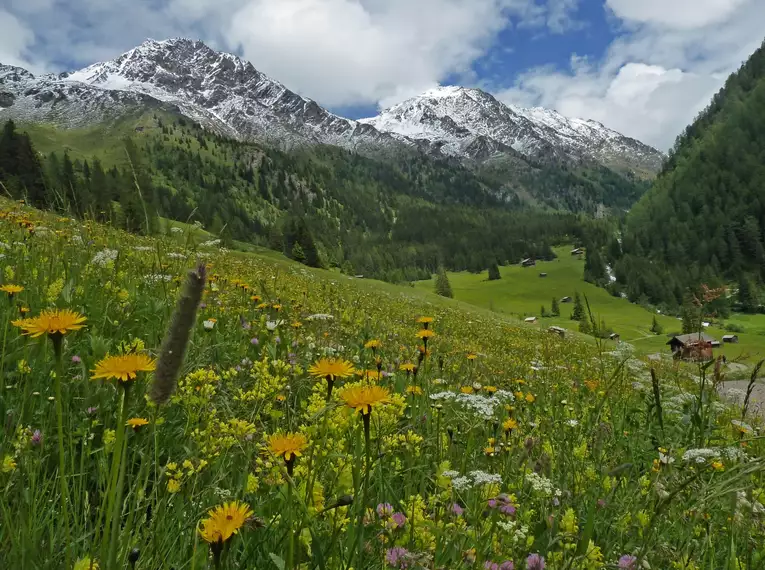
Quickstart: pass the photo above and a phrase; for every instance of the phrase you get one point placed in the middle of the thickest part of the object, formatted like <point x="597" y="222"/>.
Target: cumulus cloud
<point x="15" y="40"/>
<point x="658" y="74"/>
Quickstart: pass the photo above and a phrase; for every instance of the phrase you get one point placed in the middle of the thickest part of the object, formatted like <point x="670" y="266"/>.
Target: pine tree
<point x="746" y="295"/>
<point x="690" y="318"/>
<point x="656" y="328"/>
<point x="494" y="272"/>
<point x="555" y="308"/>
<point x="578" y="313"/>
<point x="443" y="287"/>
<point x="297" y="252"/>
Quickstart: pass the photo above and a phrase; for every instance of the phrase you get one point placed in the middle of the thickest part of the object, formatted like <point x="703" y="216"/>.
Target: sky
<point x="645" y="68"/>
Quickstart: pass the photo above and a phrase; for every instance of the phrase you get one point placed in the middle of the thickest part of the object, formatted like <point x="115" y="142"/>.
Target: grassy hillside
<point x="318" y="423"/>
<point x="521" y="292"/>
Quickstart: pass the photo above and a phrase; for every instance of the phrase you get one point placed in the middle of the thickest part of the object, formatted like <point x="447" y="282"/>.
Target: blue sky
<point x="641" y="67"/>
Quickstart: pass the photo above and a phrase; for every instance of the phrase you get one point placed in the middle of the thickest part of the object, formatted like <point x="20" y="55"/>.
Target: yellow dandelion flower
<point x="509" y="424"/>
<point x="416" y="390"/>
<point x="51" y="322"/>
<point x="137" y="423"/>
<point x="331" y="368"/>
<point x="466" y="389"/>
<point x="425" y="334"/>
<point x="490" y="389"/>
<point x="287" y="446"/>
<point x="11" y="289"/>
<point x="362" y="398"/>
<point x="224" y="521"/>
<point x="123" y="367"/>
<point x="530" y="398"/>
<point x="407" y="367"/>
<point x="718" y="466"/>
<point x="472" y="356"/>
<point x="373" y="344"/>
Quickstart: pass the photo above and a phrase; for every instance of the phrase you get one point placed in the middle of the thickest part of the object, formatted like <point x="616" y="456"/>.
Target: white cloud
<point x="346" y="51"/>
<point x="560" y="16"/>
<point x="15" y="40"/>
<point x="658" y="74"/>
<point x="684" y="14"/>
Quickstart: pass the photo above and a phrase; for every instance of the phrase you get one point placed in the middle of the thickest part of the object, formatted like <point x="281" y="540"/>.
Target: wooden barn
<point x="730" y="338"/>
<point x="560" y="331"/>
<point x="694" y="346"/>
<point x="529" y="262"/>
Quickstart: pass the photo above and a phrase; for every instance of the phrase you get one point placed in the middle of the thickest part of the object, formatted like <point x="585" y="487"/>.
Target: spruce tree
<point x="443" y="287"/>
<point x="555" y="308"/>
<point x="656" y="328"/>
<point x="494" y="272"/>
<point x="578" y="313"/>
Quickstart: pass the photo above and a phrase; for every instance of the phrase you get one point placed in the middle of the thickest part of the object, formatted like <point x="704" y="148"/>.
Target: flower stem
<point x="61" y="454"/>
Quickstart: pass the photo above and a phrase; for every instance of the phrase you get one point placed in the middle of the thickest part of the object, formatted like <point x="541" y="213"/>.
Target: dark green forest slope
<point x="394" y="221"/>
<point x="703" y="221"/>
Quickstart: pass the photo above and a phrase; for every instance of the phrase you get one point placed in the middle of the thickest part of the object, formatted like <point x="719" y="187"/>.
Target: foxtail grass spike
<point x="177" y="337"/>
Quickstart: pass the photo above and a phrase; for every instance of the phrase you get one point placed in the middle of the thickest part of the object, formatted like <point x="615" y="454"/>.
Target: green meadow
<point x="521" y="293"/>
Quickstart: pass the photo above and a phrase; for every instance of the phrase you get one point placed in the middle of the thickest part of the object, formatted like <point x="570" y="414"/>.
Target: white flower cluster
<point x="142" y="248"/>
<point x="704" y="454"/>
<point x="480" y="405"/>
<point x="105" y="257"/>
<point x="572" y="422"/>
<point x="319" y="317"/>
<point x="77" y="239"/>
<point x="210" y="243"/>
<point x="542" y="485"/>
<point x="176" y="255"/>
<point x="4" y="245"/>
<point x="472" y="479"/>
<point x="516" y="531"/>
<point x="176" y="230"/>
<point x="736" y="395"/>
<point x="155" y="278"/>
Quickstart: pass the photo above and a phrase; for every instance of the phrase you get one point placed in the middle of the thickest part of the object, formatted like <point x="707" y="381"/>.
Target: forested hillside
<point x="703" y="221"/>
<point x="321" y="205"/>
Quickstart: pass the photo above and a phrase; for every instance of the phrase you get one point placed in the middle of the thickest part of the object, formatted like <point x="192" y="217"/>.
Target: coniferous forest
<point x="322" y="206"/>
<point x="703" y="221"/>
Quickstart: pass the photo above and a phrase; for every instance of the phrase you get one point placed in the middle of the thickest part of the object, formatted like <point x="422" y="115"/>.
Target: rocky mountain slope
<point x="229" y="96"/>
<point x="472" y="123"/>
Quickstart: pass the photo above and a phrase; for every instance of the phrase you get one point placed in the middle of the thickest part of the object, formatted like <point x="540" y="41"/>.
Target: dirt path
<point x="735" y="390"/>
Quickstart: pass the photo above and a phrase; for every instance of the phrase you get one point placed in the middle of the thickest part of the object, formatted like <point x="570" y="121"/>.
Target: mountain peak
<point x="455" y="117"/>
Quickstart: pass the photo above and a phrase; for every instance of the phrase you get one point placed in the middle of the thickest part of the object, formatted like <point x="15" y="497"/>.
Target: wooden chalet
<point x="694" y="346"/>
<point x="528" y="262"/>
<point x="560" y="331"/>
<point x="730" y="338"/>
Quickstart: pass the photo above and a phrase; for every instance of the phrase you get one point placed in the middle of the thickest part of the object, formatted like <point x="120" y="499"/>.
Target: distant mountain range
<point x="229" y="96"/>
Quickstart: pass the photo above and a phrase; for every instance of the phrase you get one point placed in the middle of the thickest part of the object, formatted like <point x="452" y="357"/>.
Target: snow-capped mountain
<point x="471" y="122"/>
<point x="228" y="95"/>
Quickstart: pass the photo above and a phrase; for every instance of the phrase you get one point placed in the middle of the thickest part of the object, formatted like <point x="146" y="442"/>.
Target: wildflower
<point x="414" y="390"/>
<point x="742" y="427"/>
<point x="287" y="446"/>
<point x="535" y="562"/>
<point x="209" y="324"/>
<point x="627" y="562"/>
<point x="399" y="519"/>
<point x="173" y="486"/>
<point x="54" y="323"/>
<point x="384" y="510"/>
<point x="425" y="321"/>
<point x="36" y="438"/>
<point x="408" y="367"/>
<point x="472" y="356"/>
<point x="9" y="465"/>
<point x="331" y="369"/>
<point x="425" y="334"/>
<point x="86" y="564"/>
<point x="224" y="521"/>
<point x="11" y="289"/>
<point x="718" y="466"/>
<point x="457" y="510"/>
<point x="509" y="425"/>
<point x="76" y="359"/>
<point x="124" y="367"/>
<point x="373" y="344"/>
<point x="398" y="557"/>
<point x="137" y="423"/>
<point x="362" y="398"/>
<point x="530" y="398"/>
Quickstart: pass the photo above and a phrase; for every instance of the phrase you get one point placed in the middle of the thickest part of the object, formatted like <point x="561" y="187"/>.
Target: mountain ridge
<point x="229" y="96"/>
